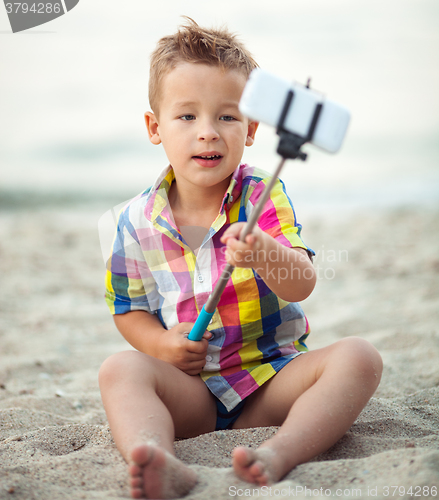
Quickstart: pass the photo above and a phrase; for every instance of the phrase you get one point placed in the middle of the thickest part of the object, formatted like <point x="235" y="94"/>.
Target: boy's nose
<point x="207" y="132"/>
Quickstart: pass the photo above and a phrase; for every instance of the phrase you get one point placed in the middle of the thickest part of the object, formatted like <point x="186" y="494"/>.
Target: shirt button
<point x="209" y="358"/>
<point x="200" y="278"/>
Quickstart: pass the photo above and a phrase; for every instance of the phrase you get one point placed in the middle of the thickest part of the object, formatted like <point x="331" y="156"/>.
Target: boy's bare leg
<point x="148" y="402"/>
<point x="316" y="398"/>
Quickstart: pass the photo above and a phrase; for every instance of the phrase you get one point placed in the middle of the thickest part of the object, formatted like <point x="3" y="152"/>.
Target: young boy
<point x="251" y="368"/>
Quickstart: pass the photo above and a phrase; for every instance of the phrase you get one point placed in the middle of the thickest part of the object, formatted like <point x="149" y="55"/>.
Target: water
<point x="73" y="93"/>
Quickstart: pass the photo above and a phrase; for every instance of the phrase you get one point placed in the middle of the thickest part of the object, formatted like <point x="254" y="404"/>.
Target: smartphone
<point x="264" y="99"/>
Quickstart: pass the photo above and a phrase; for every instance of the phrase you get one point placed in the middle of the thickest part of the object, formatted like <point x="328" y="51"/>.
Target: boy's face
<point x="200" y="125"/>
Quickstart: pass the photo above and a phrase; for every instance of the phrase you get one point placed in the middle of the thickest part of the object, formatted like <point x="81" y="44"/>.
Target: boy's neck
<point x="195" y="205"/>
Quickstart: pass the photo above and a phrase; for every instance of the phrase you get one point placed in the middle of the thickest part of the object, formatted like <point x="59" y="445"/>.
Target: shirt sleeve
<point x="278" y="218"/>
<point x="130" y="285"/>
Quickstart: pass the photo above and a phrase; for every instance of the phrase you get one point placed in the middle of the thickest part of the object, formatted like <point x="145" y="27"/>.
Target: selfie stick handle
<point x="288" y="148"/>
<point x="209" y="307"/>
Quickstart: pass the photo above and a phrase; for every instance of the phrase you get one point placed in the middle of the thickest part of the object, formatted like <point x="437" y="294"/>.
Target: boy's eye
<point x="187" y="117"/>
<point x="227" y="118"/>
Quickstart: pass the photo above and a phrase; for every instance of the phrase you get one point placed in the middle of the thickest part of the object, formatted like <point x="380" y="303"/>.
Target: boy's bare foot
<point x="255" y="466"/>
<point x="157" y="474"/>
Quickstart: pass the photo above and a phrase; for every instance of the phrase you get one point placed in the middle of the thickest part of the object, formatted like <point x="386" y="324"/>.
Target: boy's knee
<point x="364" y="356"/>
<point x="119" y="365"/>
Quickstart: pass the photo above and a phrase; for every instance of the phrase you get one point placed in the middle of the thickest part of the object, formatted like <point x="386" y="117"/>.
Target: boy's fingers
<point x="197" y="346"/>
<point x="237" y="246"/>
<point x="185" y="327"/>
<point x="194" y="370"/>
<point x="193" y="367"/>
<point x="251" y="239"/>
<point x="233" y="231"/>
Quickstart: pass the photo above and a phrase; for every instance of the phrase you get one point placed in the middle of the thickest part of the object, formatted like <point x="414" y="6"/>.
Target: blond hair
<point x="192" y="43"/>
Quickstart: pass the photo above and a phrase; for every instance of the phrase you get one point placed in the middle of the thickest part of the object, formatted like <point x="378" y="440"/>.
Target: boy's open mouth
<point x="214" y="157"/>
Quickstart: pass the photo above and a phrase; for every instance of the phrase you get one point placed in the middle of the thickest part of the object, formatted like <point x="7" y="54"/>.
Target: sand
<point x="378" y="279"/>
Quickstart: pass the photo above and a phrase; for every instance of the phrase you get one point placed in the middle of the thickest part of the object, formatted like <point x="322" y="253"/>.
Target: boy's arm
<point x="141" y="329"/>
<point x="288" y="272"/>
<point x="292" y="277"/>
<point x="145" y="333"/>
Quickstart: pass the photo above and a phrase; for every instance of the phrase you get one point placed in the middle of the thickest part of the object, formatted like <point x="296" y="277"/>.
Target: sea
<point x="73" y="93"/>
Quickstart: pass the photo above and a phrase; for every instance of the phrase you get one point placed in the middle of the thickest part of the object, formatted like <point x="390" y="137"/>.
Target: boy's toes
<point x="243" y="457"/>
<point x="137" y="494"/>
<point x="136" y="482"/>
<point x="135" y="470"/>
<point x="251" y="465"/>
<point x="157" y="474"/>
<point x="142" y="455"/>
<point x="246" y="465"/>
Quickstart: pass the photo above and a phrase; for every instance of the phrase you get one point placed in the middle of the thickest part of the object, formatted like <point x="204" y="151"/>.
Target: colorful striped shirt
<point x="151" y="268"/>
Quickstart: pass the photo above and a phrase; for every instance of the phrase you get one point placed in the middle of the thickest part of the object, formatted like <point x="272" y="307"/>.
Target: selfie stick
<point x="288" y="148"/>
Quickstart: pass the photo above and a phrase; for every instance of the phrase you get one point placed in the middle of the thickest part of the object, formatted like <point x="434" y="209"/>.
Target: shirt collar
<point x="158" y="196"/>
<point x="234" y="190"/>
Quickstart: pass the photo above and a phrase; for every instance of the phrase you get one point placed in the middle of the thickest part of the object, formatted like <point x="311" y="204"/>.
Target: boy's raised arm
<point x="288" y="272"/>
<point x="293" y="278"/>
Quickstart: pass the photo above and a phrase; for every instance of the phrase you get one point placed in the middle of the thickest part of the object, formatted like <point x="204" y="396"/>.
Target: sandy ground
<point x="378" y="279"/>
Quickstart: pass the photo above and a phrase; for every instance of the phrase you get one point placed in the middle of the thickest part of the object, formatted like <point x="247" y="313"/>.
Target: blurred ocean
<point x="73" y="93"/>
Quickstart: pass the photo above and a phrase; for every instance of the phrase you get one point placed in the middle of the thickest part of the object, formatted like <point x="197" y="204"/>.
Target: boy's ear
<point x="152" y="126"/>
<point x="252" y="127"/>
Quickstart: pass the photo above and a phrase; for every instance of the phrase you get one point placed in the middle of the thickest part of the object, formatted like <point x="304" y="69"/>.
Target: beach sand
<point x="378" y="279"/>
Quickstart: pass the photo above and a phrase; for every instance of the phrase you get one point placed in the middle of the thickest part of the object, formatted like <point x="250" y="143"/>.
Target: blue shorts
<point x="225" y="419"/>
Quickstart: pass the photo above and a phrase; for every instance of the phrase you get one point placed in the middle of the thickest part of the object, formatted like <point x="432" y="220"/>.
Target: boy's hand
<point x="187" y="355"/>
<point x="288" y="272"/>
<point x="243" y="254"/>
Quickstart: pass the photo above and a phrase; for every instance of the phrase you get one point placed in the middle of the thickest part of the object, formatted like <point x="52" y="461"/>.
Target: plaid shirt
<point x="254" y="332"/>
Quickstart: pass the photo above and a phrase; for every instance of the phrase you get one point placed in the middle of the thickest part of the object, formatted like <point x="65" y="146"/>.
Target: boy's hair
<point x="192" y="43"/>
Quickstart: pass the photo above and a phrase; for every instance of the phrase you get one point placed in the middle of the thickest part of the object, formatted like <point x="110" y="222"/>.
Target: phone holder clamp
<point x="289" y="143"/>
